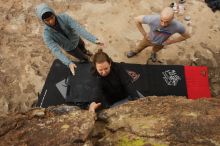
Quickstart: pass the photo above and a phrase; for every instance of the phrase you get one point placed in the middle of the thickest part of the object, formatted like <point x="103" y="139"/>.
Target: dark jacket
<point x="117" y="85"/>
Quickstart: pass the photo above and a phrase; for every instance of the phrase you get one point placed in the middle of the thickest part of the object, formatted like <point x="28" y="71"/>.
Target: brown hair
<point x="100" y="57"/>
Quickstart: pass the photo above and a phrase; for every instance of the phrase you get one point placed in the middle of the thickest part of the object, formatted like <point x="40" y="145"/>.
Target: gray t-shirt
<point x="159" y="34"/>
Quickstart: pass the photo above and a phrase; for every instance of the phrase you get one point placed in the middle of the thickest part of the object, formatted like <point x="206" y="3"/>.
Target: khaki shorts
<point x="146" y="43"/>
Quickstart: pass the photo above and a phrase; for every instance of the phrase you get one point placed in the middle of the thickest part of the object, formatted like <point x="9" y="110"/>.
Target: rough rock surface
<point x="163" y="121"/>
<point x="151" y="121"/>
<point x="63" y="125"/>
<point x="154" y="121"/>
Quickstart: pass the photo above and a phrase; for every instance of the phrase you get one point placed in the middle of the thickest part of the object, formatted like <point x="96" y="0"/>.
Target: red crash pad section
<point x="197" y="83"/>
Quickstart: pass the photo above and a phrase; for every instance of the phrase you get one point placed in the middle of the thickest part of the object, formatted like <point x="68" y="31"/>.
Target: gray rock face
<point x="163" y="121"/>
<point x="55" y="126"/>
<point x="151" y="121"/>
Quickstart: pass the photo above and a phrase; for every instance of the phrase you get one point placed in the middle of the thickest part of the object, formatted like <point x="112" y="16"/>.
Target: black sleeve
<point x="127" y="83"/>
<point x="101" y="98"/>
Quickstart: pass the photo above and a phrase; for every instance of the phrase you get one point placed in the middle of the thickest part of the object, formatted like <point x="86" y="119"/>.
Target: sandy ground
<point x="25" y="60"/>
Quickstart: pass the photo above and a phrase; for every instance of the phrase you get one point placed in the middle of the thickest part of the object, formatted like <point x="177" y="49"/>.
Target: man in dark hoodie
<point x="63" y="32"/>
<point x="116" y="84"/>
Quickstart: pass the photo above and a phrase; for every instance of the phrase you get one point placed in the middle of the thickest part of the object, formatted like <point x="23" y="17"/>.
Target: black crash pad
<point x="159" y="80"/>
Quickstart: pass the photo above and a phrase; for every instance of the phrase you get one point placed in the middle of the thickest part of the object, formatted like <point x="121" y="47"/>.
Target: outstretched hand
<point x="72" y="67"/>
<point x="101" y="44"/>
<point x="93" y="106"/>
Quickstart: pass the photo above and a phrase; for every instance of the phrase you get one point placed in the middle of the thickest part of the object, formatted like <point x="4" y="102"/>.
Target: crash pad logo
<point x="135" y="76"/>
<point x="171" y="77"/>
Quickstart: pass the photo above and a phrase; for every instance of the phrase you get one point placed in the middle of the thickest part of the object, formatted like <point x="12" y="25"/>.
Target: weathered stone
<point x="72" y="127"/>
<point x="163" y="121"/>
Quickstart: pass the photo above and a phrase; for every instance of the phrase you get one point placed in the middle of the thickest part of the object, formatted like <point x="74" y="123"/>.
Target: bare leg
<point x="155" y="49"/>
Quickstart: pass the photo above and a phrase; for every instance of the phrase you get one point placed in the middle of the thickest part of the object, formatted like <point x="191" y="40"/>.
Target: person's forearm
<point x="80" y="29"/>
<point x="175" y="40"/>
<point x="178" y="39"/>
<point x="141" y="29"/>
